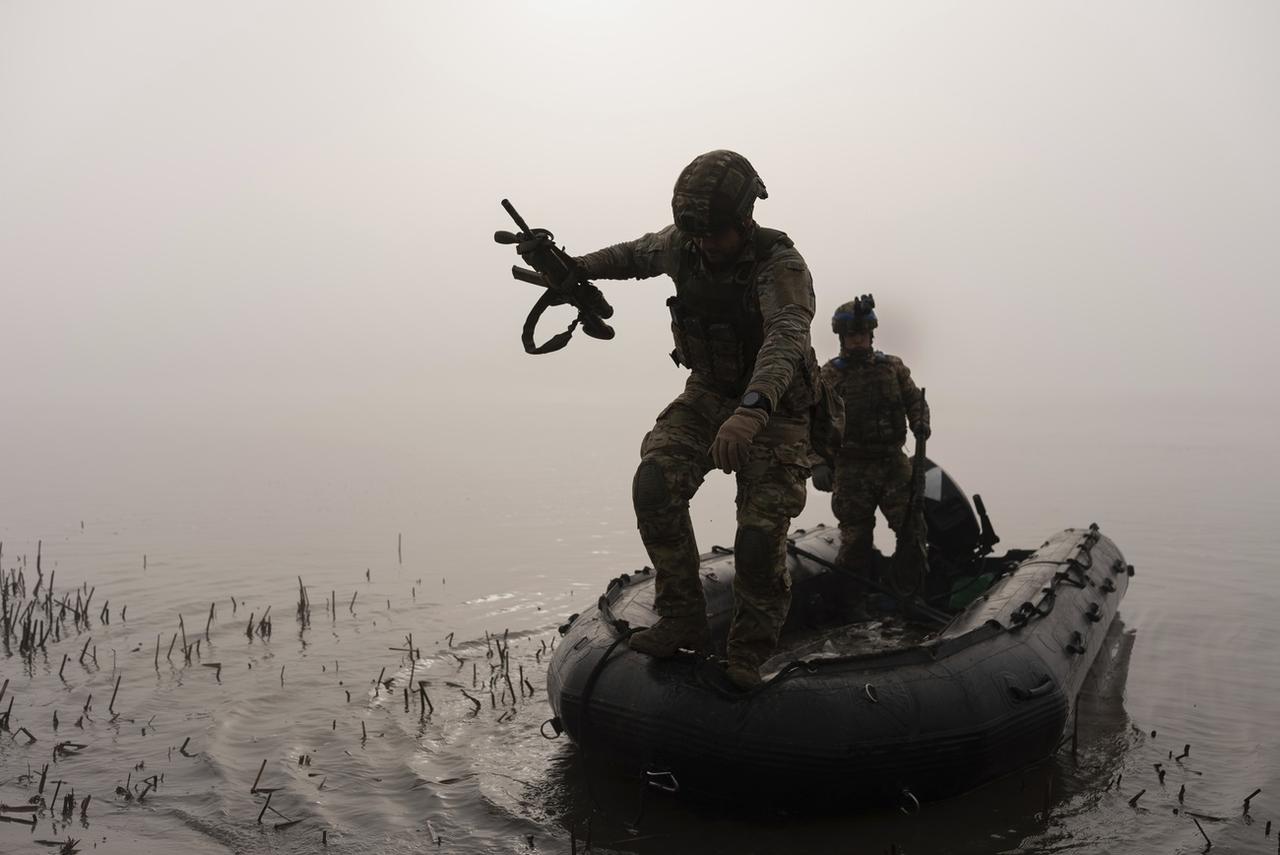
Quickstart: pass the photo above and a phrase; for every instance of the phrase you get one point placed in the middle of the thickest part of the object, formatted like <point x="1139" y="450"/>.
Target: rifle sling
<point x="557" y="341"/>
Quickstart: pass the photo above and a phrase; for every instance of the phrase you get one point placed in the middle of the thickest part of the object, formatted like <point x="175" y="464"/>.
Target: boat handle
<point x="1021" y="694"/>
<point x="665" y="781"/>
<point x="555" y="726"/>
<point x="1077" y="643"/>
<point x="1120" y="568"/>
<point x="871" y="693"/>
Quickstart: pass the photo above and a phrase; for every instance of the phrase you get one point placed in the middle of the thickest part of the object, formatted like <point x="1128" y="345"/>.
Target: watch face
<point x="752" y="399"/>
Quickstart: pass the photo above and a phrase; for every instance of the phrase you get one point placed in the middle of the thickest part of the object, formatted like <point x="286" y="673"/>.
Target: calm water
<point x="511" y="538"/>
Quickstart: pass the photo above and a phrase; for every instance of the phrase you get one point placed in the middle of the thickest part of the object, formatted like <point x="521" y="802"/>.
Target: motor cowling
<point x="953" y="526"/>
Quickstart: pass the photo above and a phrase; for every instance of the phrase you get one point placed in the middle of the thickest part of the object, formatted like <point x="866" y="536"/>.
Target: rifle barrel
<point x="519" y="220"/>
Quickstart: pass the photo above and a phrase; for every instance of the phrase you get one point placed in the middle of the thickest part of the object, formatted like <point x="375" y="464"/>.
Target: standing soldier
<point x="740" y="317"/>
<point x="880" y="400"/>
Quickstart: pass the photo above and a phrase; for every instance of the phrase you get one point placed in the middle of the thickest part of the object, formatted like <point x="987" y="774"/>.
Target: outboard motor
<point x="958" y="538"/>
<point x="953" y="527"/>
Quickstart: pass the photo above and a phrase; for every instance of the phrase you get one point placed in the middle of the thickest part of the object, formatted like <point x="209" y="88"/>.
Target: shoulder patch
<point x="784" y="281"/>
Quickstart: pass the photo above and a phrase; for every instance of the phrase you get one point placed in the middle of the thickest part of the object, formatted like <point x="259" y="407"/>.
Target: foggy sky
<point x="230" y="223"/>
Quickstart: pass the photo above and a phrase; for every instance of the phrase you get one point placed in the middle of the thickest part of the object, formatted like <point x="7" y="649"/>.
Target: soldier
<point x="880" y="400"/>
<point x="740" y="318"/>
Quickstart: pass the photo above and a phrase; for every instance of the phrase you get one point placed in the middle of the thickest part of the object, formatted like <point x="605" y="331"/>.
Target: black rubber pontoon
<point x="887" y="710"/>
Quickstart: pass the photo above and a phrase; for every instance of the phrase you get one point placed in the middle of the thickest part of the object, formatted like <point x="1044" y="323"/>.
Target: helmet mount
<point x="856" y="316"/>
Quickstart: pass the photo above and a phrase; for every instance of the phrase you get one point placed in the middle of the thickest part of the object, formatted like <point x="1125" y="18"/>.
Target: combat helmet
<point x="717" y="189"/>
<point x="855" y="316"/>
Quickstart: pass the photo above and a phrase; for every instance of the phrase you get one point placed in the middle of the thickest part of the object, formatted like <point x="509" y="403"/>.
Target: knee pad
<point x="753" y="551"/>
<point x="649" y="492"/>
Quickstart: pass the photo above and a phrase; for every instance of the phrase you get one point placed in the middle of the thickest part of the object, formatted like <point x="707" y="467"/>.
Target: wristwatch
<point x="756" y="401"/>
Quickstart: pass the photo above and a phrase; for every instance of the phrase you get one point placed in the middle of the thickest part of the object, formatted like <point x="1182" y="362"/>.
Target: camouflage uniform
<point x="740" y="329"/>
<point x="880" y="399"/>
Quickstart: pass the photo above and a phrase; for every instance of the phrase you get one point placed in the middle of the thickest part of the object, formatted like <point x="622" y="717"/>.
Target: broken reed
<point x="33" y="616"/>
<point x="304" y="605"/>
<point x="263" y="629"/>
<point x="31" y="619"/>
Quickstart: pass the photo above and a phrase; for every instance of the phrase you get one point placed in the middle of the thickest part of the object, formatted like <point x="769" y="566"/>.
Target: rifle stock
<point x="524" y="274"/>
<point x="911" y="558"/>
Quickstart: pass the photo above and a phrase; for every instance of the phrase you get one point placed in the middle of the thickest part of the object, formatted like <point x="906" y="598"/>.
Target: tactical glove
<point x="823" y="477"/>
<point x="730" y="452"/>
<point x="921" y="430"/>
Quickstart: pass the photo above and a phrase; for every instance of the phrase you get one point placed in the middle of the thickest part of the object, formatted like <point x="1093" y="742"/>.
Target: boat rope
<point x="1075" y="575"/>
<point x="594" y="676"/>
<point x="587" y="690"/>
<point x="911" y="804"/>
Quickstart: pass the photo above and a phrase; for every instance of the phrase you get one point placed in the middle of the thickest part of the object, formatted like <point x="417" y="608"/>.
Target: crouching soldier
<point x="872" y="470"/>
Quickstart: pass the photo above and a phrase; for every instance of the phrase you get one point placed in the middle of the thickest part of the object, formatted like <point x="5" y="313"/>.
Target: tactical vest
<point x="716" y="321"/>
<point x="875" y="415"/>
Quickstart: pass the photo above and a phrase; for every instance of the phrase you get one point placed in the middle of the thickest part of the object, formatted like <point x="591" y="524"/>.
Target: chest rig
<point x="715" y="317"/>
<point x="875" y="415"/>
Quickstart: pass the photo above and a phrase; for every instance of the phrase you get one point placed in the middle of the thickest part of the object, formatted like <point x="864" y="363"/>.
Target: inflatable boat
<point x="872" y="697"/>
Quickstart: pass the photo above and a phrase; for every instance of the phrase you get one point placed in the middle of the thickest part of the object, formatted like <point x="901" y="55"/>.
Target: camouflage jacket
<point x="880" y="400"/>
<point x="744" y="328"/>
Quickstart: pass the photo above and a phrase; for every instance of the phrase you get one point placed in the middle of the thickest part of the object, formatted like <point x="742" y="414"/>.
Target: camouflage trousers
<point x="862" y="485"/>
<point x="771" y="491"/>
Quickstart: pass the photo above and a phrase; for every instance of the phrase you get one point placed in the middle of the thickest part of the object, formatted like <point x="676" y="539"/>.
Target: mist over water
<point x="255" y="328"/>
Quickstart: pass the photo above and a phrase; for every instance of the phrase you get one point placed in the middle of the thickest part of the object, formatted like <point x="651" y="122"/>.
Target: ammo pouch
<point x="714" y="349"/>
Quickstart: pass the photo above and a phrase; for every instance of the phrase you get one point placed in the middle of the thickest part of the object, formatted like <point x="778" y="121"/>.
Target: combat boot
<point x="744" y="675"/>
<point x="670" y="634"/>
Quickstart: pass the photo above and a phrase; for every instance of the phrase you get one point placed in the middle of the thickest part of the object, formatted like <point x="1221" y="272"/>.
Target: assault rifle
<point x="911" y="558"/>
<point x="554" y="269"/>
